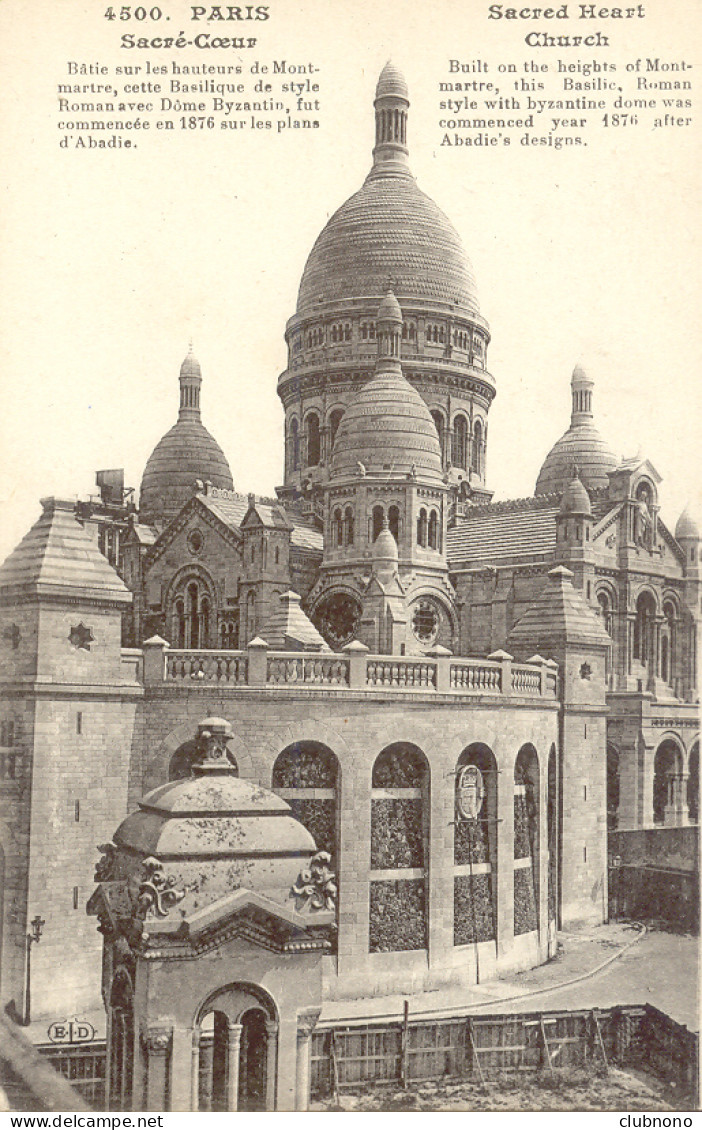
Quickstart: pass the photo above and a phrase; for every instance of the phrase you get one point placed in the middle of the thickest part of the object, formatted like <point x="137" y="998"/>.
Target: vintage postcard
<point x="351" y="590"/>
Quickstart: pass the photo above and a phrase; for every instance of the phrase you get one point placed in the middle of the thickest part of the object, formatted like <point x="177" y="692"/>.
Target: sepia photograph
<point x="350" y="543"/>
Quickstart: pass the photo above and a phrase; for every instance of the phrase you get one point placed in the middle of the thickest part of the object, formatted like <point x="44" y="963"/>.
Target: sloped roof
<point x="515" y="529"/>
<point x="289" y="628"/>
<point x="558" y="614"/>
<point x="58" y="557"/>
<point x="231" y="511"/>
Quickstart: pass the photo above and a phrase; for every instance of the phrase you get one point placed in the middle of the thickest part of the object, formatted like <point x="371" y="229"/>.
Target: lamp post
<point x="37" y="924"/>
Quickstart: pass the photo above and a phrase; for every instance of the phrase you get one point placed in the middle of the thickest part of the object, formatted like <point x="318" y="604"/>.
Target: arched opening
<point x="314" y="449"/>
<point x="178" y="628"/>
<point x="553" y="823"/>
<point x="306" y="775"/>
<point x="643" y="628"/>
<point x="334" y="421"/>
<point x="212" y="1073"/>
<point x="377" y="521"/>
<point x="229" y="633"/>
<point x="394" y="522"/>
<point x="476" y="460"/>
<point x="338" y="529"/>
<point x="294" y="445"/>
<point x="399" y="849"/>
<point x="433" y="536"/>
<point x="438" y="419"/>
<point x="668" y="641"/>
<point x="337" y="616"/>
<point x="459" y="443"/>
<point x="693" y="784"/>
<point x="252" y="1064"/>
<point x="181" y="763"/>
<point x="612" y="788"/>
<point x="422" y="528"/>
<point x="526" y="841"/>
<point x="251" y="615"/>
<point x="475" y="847"/>
<point x="667" y="770"/>
<point x="121" y="1021"/>
<point x="348" y="526"/>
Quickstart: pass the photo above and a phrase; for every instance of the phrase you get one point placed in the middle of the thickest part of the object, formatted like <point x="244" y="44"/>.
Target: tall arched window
<point x="314" y="449"/>
<point x="476" y="460"/>
<point x="643" y="627"/>
<point x="667" y="767"/>
<point x="668" y="633"/>
<point x="459" y="446"/>
<point x="605" y="602"/>
<point x="338" y="529"/>
<point x="422" y="527"/>
<point x="251" y="615"/>
<point x="394" y="522"/>
<point x="433" y="530"/>
<point x="348" y="526"/>
<point x="475" y="847"/>
<point x="334" y="421"/>
<point x="526" y="841"/>
<point x="378" y="519"/>
<point x="178" y="627"/>
<point x="294" y="445"/>
<point x="399" y="839"/>
<point x="191" y="616"/>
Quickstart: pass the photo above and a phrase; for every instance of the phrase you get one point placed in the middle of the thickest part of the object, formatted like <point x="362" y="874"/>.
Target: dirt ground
<point x="573" y="1090"/>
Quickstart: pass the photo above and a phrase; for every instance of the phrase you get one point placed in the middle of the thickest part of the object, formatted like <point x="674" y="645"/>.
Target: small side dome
<point x="389" y="309"/>
<point x="391" y="83"/>
<point x="576" y="500"/>
<point x="385" y="546"/>
<point x="686" y="526"/>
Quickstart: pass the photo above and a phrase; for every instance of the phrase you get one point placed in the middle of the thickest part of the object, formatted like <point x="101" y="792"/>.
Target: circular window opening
<point x="195" y="541"/>
<point x="425" y="622"/>
<point x="337" y="618"/>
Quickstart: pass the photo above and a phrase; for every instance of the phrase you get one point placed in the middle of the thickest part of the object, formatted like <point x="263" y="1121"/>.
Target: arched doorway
<point x="667" y="771"/>
<point x="236" y="1047"/>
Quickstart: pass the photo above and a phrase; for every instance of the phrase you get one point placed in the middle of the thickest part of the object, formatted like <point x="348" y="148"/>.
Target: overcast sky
<point x="112" y="261"/>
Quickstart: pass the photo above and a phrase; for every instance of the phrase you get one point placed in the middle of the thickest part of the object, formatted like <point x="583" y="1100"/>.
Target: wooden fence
<point x="477" y="1048"/>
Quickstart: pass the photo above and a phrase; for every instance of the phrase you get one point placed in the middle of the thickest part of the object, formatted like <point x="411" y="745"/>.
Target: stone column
<point x="503" y="868"/>
<point x="157" y="1042"/>
<point x="306" y="1023"/>
<point x="233" y="1053"/>
<point x="271" y="1063"/>
<point x="181" y="1060"/>
<point x="195" y="1071"/>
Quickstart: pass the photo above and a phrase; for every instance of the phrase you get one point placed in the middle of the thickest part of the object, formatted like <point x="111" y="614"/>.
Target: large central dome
<point x="388" y="234"/>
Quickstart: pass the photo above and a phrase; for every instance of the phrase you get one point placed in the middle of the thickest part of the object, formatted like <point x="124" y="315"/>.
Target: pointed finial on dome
<point x="390" y="155"/>
<point x="575" y="499"/>
<point x="581" y="389"/>
<point x="190" y="381"/>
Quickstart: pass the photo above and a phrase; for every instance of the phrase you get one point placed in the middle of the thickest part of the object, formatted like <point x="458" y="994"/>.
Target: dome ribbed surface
<point x="581" y="446"/>
<point x="686" y="526"/>
<point x="392" y="82"/>
<point x="186" y="453"/>
<point x="389" y="233"/>
<point x="387" y="427"/>
<point x="575" y="499"/>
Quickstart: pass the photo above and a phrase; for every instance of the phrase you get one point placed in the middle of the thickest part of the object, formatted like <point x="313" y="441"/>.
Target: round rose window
<point x="425" y="622"/>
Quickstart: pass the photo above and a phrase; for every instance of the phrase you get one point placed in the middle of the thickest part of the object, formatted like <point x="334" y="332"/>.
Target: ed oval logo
<point x="71" y="1032"/>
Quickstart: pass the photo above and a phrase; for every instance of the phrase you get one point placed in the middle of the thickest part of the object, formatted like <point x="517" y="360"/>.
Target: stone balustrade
<point x="354" y="669"/>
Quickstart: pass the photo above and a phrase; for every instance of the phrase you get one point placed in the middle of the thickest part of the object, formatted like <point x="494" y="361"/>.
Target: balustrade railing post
<point x="539" y="661"/>
<point x="356" y="652"/>
<point x="154" y="660"/>
<point x="442" y="655"/>
<point x="258" y="662"/>
<point x="552" y="666"/>
<point x="505" y="661"/>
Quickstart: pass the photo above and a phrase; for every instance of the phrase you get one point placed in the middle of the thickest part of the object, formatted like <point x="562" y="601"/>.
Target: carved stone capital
<point x="157" y="1040"/>
<point x="307" y="1022"/>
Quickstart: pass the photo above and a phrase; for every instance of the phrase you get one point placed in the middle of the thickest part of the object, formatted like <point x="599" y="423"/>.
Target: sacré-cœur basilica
<point x="363" y="738"/>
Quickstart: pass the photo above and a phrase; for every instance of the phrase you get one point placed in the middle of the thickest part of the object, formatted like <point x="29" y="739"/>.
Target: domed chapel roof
<point x="187" y="452"/>
<point x="389" y="232"/>
<point x="581" y="446"/>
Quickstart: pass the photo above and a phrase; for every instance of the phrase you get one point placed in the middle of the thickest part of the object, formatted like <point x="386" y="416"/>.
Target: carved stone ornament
<point x="157" y="894"/>
<point x="315" y="888"/>
<point x="157" y="1040"/>
<point x="13" y="636"/>
<point x="105" y="866"/>
<point x="307" y="1022"/>
<point x="81" y="637"/>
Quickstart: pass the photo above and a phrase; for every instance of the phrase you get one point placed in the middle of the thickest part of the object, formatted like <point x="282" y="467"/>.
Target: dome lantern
<point x="391" y="105"/>
<point x="582" y="445"/>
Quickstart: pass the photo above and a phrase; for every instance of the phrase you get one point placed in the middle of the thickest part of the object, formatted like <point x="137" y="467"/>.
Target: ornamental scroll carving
<point x="315" y="888"/>
<point x="157" y="894"/>
<point x="106" y="865"/>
